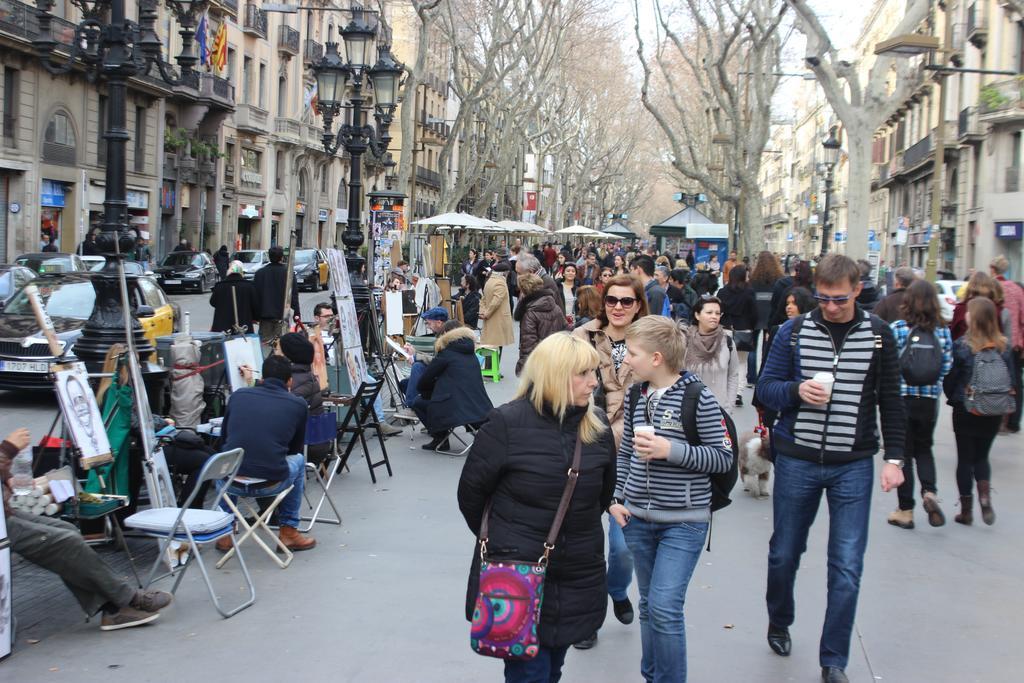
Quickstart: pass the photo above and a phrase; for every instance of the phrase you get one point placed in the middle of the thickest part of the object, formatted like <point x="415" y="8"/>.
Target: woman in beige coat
<point x="495" y="310"/>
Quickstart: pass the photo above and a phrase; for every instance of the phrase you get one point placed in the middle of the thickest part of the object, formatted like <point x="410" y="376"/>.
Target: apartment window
<point x="323" y="180"/>
<point x="263" y="86"/>
<point x="247" y="80"/>
<point x="140" y="139"/>
<point x="101" y="130"/>
<point x="282" y="97"/>
<point x="342" y="202"/>
<point x="278" y="170"/>
<point x="10" y="112"/>
<point x="252" y="164"/>
<point x="229" y="163"/>
<point x="975" y="173"/>
<point x="232" y="75"/>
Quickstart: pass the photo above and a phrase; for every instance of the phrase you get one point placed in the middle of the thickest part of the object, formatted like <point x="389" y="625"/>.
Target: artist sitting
<point x="55" y="545"/>
<point x="434" y="318"/>
<point x="451" y="388"/>
<point x="270" y="424"/>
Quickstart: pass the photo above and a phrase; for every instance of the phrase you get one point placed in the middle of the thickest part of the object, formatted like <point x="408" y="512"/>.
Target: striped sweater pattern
<point x="850" y="368"/>
<point x="677" y="489"/>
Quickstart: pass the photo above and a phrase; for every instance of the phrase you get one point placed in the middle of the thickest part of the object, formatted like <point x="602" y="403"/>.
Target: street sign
<point x="871" y="235"/>
<point x="840" y="237"/>
<point x="789" y="237"/>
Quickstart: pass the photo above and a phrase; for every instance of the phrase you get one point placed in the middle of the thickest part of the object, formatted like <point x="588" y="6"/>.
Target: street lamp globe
<point x="358" y="37"/>
<point x="385" y="76"/>
<point x="832" y="147"/>
<point x="331" y="74"/>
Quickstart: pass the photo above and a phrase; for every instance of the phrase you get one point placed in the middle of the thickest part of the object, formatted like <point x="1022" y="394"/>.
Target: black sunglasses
<point x="613" y="301"/>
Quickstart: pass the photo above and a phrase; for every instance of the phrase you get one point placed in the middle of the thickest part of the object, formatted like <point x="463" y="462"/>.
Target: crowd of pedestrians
<point x="829" y="358"/>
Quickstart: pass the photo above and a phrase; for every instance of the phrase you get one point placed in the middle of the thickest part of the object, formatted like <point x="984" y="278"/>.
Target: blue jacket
<point x="867" y="380"/>
<point x="269" y="423"/>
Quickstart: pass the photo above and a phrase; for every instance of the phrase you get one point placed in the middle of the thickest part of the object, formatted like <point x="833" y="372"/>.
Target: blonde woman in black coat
<point x="518" y="462"/>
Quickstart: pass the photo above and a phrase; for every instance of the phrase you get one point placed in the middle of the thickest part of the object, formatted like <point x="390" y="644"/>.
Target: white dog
<point x="755" y="467"/>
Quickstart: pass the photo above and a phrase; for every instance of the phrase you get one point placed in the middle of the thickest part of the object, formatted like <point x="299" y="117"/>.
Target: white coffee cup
<point x="826" y="380"/>
<point x="644" y="429"/>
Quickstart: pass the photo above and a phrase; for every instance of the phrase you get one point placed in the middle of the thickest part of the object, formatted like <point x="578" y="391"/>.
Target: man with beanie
<point x="55" y="545"/>
<point x="270" y="424"/>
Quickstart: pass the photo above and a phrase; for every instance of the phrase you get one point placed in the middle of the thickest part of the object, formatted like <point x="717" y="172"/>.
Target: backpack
<point x="990" y="390"/>
<point x="921" y="358"/>
<point x="722" y="483"/>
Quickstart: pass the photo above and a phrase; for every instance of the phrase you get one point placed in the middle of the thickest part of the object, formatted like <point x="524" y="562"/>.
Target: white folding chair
<point x="246" y="488"/>
<point x="196" y="527"/>
<point x="321" y="429"/>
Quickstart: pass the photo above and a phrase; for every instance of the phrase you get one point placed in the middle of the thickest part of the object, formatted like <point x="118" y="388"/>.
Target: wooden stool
<point x="492" y="369"/>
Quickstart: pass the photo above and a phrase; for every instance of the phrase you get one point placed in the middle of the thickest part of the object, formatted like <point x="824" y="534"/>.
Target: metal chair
<point x="467" y="442"/>
<point x="360" y="418"/>
<point x="246" y="488"/>
<point x="196" y="527"/>
<point x="321" y="429"/>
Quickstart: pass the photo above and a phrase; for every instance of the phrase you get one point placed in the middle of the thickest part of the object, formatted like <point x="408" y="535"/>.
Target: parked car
<point x="311" y="269"/>
<point x="186" y="270"/>
<point x="96" y="263"/>
<point x="252" y="260"/>
<point x="948" y="299"/>
<point x="52" y="262"/>
<point x="13" y="278"/>
<point x="68" y="299"/>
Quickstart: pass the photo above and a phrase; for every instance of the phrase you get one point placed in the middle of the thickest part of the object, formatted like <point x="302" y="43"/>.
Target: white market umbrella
<point x="457" y="220"/>
<point x="577" y="230"/>
<point x="520" y="226"/>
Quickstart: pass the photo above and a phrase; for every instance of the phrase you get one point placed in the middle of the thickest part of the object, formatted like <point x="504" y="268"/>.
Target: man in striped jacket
<point x="827" y="375"/>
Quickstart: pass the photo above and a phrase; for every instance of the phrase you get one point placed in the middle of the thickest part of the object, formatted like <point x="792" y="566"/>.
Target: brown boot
<point x="295" y="541"/>
<point x="225" y="543"/>
<point x="966" y="514"/>
<point x="988" y="515"/>
<point x="904" y="519"/>
<point x="931" y="506"/>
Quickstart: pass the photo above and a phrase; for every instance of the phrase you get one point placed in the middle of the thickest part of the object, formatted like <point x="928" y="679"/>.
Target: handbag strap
<point x="563" y="508"/>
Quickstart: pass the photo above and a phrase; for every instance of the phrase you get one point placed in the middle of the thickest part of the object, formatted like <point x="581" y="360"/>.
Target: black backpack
<point x="722" y="483"/>
<point x="921" y="358"/>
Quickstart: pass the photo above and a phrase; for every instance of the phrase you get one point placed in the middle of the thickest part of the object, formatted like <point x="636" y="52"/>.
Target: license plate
<point x="24" y="366"/>
<point x="172" y="282"/>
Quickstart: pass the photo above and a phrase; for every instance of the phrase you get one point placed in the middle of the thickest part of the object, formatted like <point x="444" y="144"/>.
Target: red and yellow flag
<point x="219" y="53"/>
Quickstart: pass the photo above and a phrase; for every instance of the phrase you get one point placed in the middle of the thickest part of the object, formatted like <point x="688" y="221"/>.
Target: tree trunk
<point x="752" y="225"/>
<point x="858" y="188"/>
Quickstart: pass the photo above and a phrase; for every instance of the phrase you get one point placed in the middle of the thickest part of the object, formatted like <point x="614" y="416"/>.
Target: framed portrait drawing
<point x="82" y="416"/>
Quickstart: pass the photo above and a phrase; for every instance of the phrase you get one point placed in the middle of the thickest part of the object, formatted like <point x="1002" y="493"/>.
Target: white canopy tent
<point x="521" y="227"/>
<point x="458" y="220"/>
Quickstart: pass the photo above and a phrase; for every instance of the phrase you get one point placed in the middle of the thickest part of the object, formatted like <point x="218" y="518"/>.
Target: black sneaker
<point x="623" y="610"/>
<point x="739" y="401"/>
<point x="586" y="643"/>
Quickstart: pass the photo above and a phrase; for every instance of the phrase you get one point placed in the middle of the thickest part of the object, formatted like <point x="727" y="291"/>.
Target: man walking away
<point x="827" y="374"/>
<point x="270" y="284"/>
<point x="643" y="268"/>
<point x="888" y="309"/>
<point x="1013" y="301"/>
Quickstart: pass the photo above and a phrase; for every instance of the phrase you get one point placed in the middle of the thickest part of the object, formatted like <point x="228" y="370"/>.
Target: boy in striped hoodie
<point x="663" y="490"/>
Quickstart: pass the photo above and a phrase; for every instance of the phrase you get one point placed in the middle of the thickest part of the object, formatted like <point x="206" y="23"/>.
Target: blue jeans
<point x="665" y="556"/>
<point x="378" y="404"/>
<point x="546" y="667"/>
<point x="620" y="562"/>
<point x="752" y="358"/>
<point x="410" y="385"/>
<point x="288" y="510"/>
<point x="798" y="488"/>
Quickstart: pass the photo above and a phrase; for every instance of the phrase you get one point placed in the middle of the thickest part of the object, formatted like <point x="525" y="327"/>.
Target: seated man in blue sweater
<point x="270" y="424"/>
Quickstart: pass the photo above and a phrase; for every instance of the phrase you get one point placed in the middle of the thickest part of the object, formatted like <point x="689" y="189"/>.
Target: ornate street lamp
<point x="112" y="48"/>
<point x="333" y="76"/>
<point x="832" y="147"/>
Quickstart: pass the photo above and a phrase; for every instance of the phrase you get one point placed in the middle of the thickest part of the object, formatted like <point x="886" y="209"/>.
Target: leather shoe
<point x="833" y="674"/>
<point x="224" y="543"/>
<point x="295" y="541"/>
<point x="623" y="610"/>
<point x="778" y="640"/>
<point x="587" y="643"/>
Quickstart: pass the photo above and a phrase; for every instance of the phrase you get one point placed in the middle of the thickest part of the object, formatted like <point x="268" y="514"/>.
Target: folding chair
<point x="246" y="488"/>
<point x="359" y="418"/>
<point x="467" y="443"/>
<point x="322" y="429"/>
<point x="196" y="527"/>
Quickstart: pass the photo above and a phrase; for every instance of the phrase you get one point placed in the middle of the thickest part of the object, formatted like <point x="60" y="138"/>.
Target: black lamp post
<point x="110" y="47"/>
<point x="356" y="137"/>
<point x="832" y="148"/>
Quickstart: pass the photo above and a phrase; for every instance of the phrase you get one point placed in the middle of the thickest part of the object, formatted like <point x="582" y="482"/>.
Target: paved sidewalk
<point x="381" y="597"/>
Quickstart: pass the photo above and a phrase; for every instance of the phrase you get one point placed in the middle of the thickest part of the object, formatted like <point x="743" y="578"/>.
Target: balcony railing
<point x="425" y="176"/>
<point x="287" y="40"/>
<point x="1002" y="98"/>
<point x="251" y="118"/>
<point x="312" y="51"/>
<point x="917" y="152"/>
<point x="1012" y="179"/>
<point x="288" y="127"/>
<point x="255" y="23"/>
<point x="19" y="19"/>
<point x="967" y="125"/>
<point x="218" y="89"/>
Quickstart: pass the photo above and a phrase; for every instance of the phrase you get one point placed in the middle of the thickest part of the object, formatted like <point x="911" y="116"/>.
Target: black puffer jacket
<point x="519" y="461"/>
<point x="452" y="385"/>
<point x="306" y="385"/>
<point x="539" y="316"/>
<point x="739" y="309"/>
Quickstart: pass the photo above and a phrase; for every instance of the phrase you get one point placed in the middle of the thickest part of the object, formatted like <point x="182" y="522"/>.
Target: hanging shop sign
<point x="136" y="199"/>
<point x="321" y="215"/>
<point x="300" y="208"/>
<point x="1009" y="230"/>
<point x="51" y="193"/>
<point x="250" y="211"/>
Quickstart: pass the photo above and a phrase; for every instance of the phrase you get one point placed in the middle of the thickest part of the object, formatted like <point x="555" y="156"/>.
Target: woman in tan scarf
<point x="711" y="353"/>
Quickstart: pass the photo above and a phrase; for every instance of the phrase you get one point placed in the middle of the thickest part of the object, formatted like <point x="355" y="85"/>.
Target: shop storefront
<point x="250" y="217"/>
<point x="138" y="205"/>
<point x="52" y="194"/>
<point x="321" y="226"/>
<point x="300" y="223"/>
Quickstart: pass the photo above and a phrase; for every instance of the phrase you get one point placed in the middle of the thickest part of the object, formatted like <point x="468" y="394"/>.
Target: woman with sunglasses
<point x="624" y="302"/>
<point x="711" y="352"/>
<point x="606" y="275"/>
